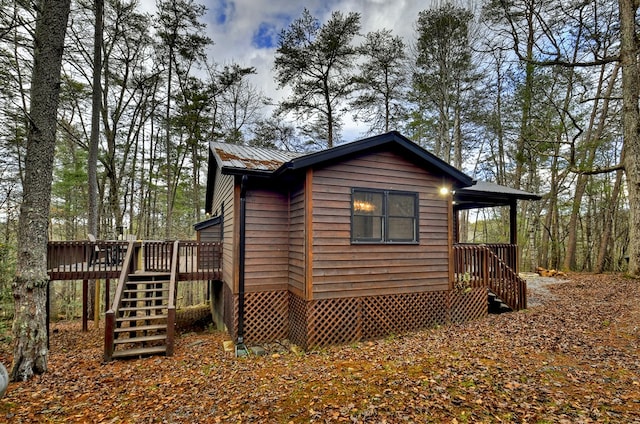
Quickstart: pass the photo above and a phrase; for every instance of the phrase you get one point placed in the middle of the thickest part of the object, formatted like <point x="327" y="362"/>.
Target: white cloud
<point x="233" y="37"/>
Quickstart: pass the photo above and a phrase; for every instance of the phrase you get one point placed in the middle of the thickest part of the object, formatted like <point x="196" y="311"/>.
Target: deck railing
<point x="86" y="260"/>
<point x="480" y="265"/>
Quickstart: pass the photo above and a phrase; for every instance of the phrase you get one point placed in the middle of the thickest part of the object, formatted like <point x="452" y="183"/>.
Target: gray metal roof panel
<point x="493" y="188"/>
<point x="233" y="156"/>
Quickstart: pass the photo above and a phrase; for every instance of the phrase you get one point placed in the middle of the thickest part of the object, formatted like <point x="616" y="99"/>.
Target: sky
<point x="246" y="31"/>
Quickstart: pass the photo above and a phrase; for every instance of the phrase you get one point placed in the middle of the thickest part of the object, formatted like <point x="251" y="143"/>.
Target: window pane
<point x="401" y="205"/>
<point x="367" y="228"/>
<point x="367" y="203"/>
<point x="401" y="229"/>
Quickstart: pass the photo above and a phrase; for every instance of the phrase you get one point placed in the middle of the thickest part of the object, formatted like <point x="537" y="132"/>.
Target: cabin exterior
<point x="351" y="243"/>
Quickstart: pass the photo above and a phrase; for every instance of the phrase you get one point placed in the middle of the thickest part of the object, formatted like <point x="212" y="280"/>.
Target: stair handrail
<point x="517" y="302"/>
<point x="128" y="266"/>
<point x="472" y="267"/>
<point x="171" y="306"/>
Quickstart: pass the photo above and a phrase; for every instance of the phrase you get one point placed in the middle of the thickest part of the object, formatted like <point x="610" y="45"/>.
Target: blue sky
<point x="246" y="31"/>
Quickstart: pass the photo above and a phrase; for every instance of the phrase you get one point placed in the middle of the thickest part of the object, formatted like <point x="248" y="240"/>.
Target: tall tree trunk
<point x="610" y="213"/>
<point x="30" y="285"/>
<point x="92" y="167"/>
<point x="168" y="172"/>
<point x="96" y="104"/>
<point x="590" y="154"/>
<point x="631" y="127"/>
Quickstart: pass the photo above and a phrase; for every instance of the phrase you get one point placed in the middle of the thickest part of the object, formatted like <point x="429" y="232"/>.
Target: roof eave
<point x="303" y="162"/>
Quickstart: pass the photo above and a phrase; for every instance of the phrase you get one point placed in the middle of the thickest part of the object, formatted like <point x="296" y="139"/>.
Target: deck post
<point x="85" y="300"/>
<point x="96" y="308"/>
<point x="513" y="222"/>
<point x="107" y="288"/>
<point x="109" y="327"/>
<point x="171" y="330"/>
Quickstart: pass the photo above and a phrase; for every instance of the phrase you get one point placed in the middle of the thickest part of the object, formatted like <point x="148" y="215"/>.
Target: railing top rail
<point x="174" y="274"/>
<point x="124" y="275"/>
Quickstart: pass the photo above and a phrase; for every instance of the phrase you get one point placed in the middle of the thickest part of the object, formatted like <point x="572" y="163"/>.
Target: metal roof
<point x="271" y="163"/>
<point x="486" y="194"/>
<point x="239" y="158"/>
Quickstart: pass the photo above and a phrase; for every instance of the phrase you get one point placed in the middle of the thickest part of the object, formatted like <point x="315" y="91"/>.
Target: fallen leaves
<point x="572" y="359"/>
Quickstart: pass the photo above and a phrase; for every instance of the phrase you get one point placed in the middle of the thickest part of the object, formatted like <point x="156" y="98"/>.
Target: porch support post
<point x="513" y="222"/>
<point x="456" y="225"/>
<point x="85" y="299"/>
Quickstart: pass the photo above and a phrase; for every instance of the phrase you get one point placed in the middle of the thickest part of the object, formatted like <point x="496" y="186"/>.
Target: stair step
<point x="141" y="351"/>
<point x="142" y="308"/>
<point x="141" y="339"/>
<point x="144" y="318"/>
<point x="148" y="327"/>
<point x="149" y="276"/>
<point x="147" y="282"/>
<point x="157" y="289"/>
<point x="143" y="299"/>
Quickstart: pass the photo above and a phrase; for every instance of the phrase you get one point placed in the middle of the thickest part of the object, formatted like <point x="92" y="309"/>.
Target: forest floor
<point x="572" y="357"/>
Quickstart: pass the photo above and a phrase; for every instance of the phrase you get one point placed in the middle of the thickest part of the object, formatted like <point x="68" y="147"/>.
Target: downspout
<point x="241" y="349"/>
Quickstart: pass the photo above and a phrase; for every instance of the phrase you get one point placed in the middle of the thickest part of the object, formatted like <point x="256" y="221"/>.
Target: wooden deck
<point x="103" y="259"/>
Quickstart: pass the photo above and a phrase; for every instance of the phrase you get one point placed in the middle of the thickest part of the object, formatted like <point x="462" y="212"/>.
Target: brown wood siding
<point x="224" y="194"/>
<point x="341" y="269"/>
<point x="296" y="242"/>
<point x="211" y="233"/>
<point x="267" y="241"/>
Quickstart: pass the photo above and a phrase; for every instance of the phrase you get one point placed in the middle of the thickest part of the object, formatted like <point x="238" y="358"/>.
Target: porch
<point x="142" y="313"/>
<point x="494" y="266"/>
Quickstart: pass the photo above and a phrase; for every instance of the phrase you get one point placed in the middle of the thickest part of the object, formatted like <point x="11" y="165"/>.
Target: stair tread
<point x="157" y="289"/>
<point x="149" y="274"/>
<point x="148" y="327"/>
<point x="156" y="282"/>
<point x="143" y="299"/>
<point x="127" y="353"/>
<point x="144" y="318"/>
<point x="141" y="339"/>
<point x="142" y="308"/>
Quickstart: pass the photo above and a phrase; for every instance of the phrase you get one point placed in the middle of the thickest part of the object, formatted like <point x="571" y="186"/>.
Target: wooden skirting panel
<point x="266" y="316"/>
<point x="394" y="314"/>
<point x="276" y="315"/>
<point x="298" y="320"/>
<point x="334" y="321"/>
<point x="230" y="312"/>
<point x="468" y="306"/>
<point x="328" y="322"/>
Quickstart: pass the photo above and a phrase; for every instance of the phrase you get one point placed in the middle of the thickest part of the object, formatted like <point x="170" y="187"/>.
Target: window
<point x="379" y="216"/>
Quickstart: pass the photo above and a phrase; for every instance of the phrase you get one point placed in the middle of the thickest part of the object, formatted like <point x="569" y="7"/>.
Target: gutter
<point x="241" y="348"/>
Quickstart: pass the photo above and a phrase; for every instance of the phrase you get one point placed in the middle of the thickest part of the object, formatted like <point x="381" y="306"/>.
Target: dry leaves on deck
<point x="572" y="359"/>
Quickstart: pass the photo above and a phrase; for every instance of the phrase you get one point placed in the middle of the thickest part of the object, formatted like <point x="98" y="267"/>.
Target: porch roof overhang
<point x="485" y="194"/>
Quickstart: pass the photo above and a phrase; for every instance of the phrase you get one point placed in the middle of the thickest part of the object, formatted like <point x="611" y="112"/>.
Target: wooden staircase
<point x="141" y="321"/>
<point x="141" y="327"/>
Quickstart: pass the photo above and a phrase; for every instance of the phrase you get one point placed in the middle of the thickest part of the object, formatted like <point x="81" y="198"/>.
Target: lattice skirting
<point x="468" y="306"/>
<point x="230" y="311"/>
<point x="266" y="316"/>
<point x="336" y="321"/>
<point x="277" y="315"/>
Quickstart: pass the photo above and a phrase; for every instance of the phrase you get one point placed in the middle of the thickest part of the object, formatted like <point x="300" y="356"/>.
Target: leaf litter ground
<point x="573" y="357"/>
